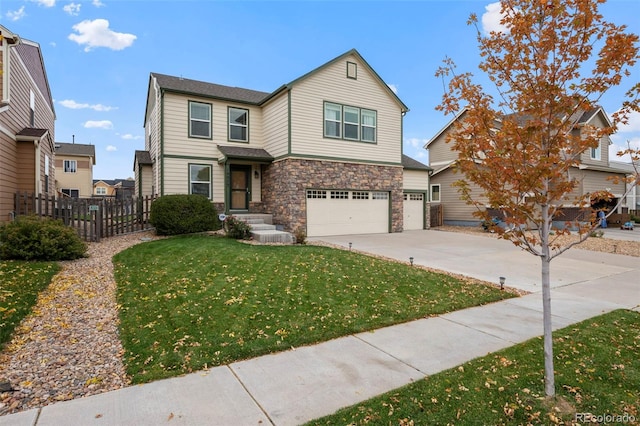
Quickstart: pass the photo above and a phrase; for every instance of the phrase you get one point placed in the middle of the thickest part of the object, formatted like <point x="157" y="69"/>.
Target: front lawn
<point x="20" y="284"/>
<point x="193" y="302"/>
<point x="597" y="364"/>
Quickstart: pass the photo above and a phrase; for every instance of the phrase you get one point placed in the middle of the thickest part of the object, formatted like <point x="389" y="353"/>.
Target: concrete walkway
<point x="299" y="385"/>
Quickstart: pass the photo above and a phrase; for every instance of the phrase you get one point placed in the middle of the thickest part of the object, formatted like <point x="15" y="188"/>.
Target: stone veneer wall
<point x="285" y="183"/>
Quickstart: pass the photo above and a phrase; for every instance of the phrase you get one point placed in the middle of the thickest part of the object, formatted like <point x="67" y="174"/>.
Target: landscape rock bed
<point x="69" y="346"/>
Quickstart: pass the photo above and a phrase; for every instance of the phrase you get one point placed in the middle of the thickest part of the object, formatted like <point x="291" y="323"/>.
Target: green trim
<point x="215" y="98"/>
<point x="390" y="215"/>
<point x="229" y="108"/>
<point x="247" y="168"/>
<point x="289" y="123"/>
<point x="425" y="198"/>
<point x="339" y="159"/>
<point x="189" y="135"/>
<point x="210" y="177"/>
<point x="365" y="63"/>
<point x="342" y="123"/>
<point x="355" y="77"/>
<point x="162" y="92"/>
<point x="401" y="134"/>
<point x="191" y="157"/>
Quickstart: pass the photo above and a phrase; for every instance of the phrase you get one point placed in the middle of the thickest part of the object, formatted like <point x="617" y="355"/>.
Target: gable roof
<point x="212" y="90"/>
<point x="76" y="149"/>
<point x="239" y="152"/>
<point x="412" y="164"/>
<point x="355" y="53"/>
<point x="143" y="157"/>
<point x="248" y="96"/>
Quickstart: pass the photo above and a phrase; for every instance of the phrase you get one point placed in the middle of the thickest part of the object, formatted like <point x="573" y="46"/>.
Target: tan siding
<point x="454" y="209"/>
<point x="82" y="179"/>
<point x="276" y="125"/>
<point x="176" y="175"/>
<point x="415" y="179"/>
<point x="25" y="161"/>
<point x="8" y="178"/>
<point x="331" y="84"/>
<point x="176" y="128"/>
<point x="598" y="181"/>
<point x="440" y="151"/>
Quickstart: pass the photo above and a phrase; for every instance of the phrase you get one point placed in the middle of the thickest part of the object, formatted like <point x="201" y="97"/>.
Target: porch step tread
<point x="261" y="226"/>
<point x="254" y="217"/>
<point x="272" y="236"/>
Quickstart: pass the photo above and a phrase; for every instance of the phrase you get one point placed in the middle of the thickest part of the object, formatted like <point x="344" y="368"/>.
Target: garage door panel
<point x="413" y="211"/>
<point x="347" y="212"/>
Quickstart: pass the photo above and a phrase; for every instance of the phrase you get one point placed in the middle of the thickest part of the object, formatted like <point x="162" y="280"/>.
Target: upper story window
<point x="347" y="122"/>
<point x="101" y="190"/>
<point x="595" y="153"/>
<point x="238" y="124"/>
<point x="70" y="166"/>
<point x="199" y="120"/>
<point x="435" y="193"/>
<point x="32" y="107"/>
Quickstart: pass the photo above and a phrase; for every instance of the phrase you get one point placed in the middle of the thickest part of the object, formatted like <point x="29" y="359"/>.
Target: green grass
<point x="20" y="283"/>
<point x="198" y="301"/>
<point x="597" y="365"/>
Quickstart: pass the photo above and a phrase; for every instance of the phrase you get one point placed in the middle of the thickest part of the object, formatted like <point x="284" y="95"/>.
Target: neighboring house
<point x="74" y="166"/>
<point x="594" y="171"/>
<point x="116" y="188"/>
<point x="322" y="153"/>
<point x="27" y="119"/>
<point x="633" y="199"/>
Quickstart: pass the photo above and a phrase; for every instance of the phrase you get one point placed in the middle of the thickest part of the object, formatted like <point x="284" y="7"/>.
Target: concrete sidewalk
<point x="299" y="385"/>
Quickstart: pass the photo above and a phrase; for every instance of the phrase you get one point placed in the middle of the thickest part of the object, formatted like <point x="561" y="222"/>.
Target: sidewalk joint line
<point x="250" y="394"/>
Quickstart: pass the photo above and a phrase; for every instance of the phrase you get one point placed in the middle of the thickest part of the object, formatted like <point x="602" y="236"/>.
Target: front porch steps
<point x="263" y="230"/>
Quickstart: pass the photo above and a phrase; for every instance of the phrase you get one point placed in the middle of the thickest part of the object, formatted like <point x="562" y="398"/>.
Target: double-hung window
<point x="238" y="124"/>
<point x="332" y="120"/>
<point x="70" y="166"/>
<point x="200" y="179"/>
<point x="595" y="153"/>
<point x="348" y="122"/>
<point x="199" y="120"/>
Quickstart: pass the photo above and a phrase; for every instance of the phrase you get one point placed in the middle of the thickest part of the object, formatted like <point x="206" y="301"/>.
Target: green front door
<point x="240" y="189"/>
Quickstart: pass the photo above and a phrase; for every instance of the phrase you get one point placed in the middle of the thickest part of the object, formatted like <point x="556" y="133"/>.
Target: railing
<point x="93" y="218"/>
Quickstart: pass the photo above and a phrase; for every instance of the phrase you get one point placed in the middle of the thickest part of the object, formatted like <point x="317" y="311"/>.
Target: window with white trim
<point x="435" y="193"/>
<point x="595" y="153"/>
<point x="200" y="179"/>
<point x="101" y="190"/>
<point x="73" y="193"/>
<point x="379" y="195"/>
<point x="70" y="166"/>
<point x="339" y="195"/>
<point x="349" y="122"/>
<point x="199" y="120"/>
<point x="238" y="124"/>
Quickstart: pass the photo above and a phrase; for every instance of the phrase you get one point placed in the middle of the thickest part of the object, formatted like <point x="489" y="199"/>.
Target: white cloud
<point x="129" y="136"/>
<point x="111" y="148"/>
<point x="45" y="3"/>
<point x="16" y="15"/>
<point x="71" y="104"/>
<point x="72" y="9"/>
<point x="491" y="19"/>
<point x="103" y="124"/>
<point x="621" y="145"/>
<point x="96" y="33"/>
<point x="97" y="3"/>
<point x="394" y="88"/>
<point x="416" y="142"/>
<point x="633" y="125"/>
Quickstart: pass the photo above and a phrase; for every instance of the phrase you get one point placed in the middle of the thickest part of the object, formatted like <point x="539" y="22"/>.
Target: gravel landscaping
<point x="69" y="346"/>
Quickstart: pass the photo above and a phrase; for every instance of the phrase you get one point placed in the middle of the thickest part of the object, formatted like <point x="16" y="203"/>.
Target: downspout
<point x="161" y="142"/>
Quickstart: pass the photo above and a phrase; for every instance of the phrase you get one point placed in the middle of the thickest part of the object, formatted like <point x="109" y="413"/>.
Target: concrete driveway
<point x="581" y="272"/>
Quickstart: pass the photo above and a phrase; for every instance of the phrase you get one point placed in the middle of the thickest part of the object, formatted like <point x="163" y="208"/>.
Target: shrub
<point x="236" y="228"/>
<point x="300" y="235"/>
<point x="183" y="214"/>
<point x="34" y="238"/>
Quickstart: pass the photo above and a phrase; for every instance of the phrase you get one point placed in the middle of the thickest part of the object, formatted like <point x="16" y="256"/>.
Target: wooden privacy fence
<point x="92" y="218"/>
<point x="436" y="217"/>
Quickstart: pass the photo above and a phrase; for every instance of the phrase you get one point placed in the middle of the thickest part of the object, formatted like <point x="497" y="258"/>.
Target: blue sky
<point x="99" y="53"/>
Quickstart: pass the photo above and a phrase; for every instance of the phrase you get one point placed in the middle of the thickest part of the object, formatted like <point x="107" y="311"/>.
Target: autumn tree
<point x="552" y="63"/>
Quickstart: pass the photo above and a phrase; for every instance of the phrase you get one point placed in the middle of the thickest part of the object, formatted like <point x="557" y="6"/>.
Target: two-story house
<point x="74" y="165"/>
<point x="27" y="119"/>
<point x="322" y="153"/>
<point x="114" y="188"/>
<point x="593" y="173"/>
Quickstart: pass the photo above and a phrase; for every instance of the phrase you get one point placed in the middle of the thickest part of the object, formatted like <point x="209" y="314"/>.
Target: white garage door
<point x="413" y="211"/>
<point x="336" y="212"/>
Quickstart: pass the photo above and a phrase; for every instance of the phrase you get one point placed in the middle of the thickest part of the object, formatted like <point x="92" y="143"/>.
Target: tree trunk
<point x="549" y="378"/>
